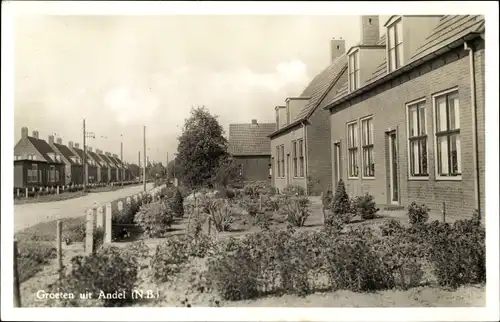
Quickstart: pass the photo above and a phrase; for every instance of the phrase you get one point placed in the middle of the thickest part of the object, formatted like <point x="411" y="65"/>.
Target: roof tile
<point x="43" y="147"/>
<point x="248" y="139"/>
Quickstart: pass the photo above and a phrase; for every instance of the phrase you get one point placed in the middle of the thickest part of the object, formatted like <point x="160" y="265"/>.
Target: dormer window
<point x="354" y="70"/>
<point x="395" y="45"/>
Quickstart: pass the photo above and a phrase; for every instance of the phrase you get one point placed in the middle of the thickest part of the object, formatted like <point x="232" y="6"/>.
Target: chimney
<point x="59" y="141"/>
<point x="35" y="134"/>
<point x="89" y="149"/>
<point x="51" y="140"/>
<point x="98" y="151"/>
<point x="370" y="30"/>
<point x="107" y="154"/>
<point x="24" y="133"/>
<point x="70" y="144"/>
<point x="77" y="145"/>
<point x="254" y="122"/>
<point x="337" y="48"/>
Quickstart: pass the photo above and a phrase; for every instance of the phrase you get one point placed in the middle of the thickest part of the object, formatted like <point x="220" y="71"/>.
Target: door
<point x="393" y="164"/>
<point x="336" y="164"/>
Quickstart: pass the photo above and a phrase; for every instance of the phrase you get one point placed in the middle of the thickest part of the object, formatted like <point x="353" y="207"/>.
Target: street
<point x="27" y="215"/>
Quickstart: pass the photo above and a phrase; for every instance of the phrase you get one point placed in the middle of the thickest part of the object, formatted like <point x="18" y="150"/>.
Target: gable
<point x="23" y="149"/>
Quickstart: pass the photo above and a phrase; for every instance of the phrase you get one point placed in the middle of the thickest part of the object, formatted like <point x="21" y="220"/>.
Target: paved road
<point x="27" y="215"/>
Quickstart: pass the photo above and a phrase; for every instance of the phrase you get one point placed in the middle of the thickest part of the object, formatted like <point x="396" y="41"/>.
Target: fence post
<point x="128" y="200"/>
<point x="26" y="193"/>
<point x="59" y="247"/>
<point x="17" y="294"/>
<point x="18" y="192"/>
<point x="443" y="212"/>
<point x="57" y="189"/>
<point x="107" y="224"/>
<point x="100" y="217"/>
<point x="89" y="231"/>
<point x="120" y="206"/>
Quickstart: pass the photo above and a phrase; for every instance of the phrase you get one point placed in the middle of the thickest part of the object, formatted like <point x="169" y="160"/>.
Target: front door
<point x="393" y="164"/>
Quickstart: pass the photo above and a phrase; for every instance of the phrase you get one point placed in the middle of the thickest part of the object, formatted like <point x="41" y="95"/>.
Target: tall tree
<point x="201" y="147"/>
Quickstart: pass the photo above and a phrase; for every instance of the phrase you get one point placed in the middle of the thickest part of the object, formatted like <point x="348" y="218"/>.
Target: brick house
<point x="104" y="173"/>
<point x="36" y="164"/>
<point x="409" y="123"/>
<point x="113" y="168"/>
<point x="90" y="166"/>
<point x="300" y="146"/>
<point x="98" y="163"/>
<point x="250" y="146"/>
<point x="120" y="167"/>
<point x="73" y="168"/>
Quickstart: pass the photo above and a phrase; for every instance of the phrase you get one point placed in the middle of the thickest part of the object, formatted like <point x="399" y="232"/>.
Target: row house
<point x="36" y="164"/>
<point x="90" y="163"/>
<point x="73" y="164"/>
<point x="408" y="123"/>
<point x="104" y="166"/>
<point x="300" y="145"/>
<point x="250" y="146"/>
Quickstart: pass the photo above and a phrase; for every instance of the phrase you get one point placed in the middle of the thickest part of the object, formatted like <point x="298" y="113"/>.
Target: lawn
<point x="50" y="198"/>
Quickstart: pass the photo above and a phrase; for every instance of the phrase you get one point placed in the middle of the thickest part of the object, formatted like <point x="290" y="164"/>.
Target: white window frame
<point x="400" y="43"/>
<point x="436" y="159"/>
<point x="301" y="157"/>
<point x="356" y="71"/>
<point x="408" y="106"/>
<point x="282" y="160"/>
<point x="363" y="147"/>
<point x="348" y="148"/>
<point x="295" y="158"/>
<point x="278" y="164"/>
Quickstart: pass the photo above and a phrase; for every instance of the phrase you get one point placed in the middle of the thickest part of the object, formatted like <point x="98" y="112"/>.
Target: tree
<point x="227" y="172"/>
<point x="201" y="147"/>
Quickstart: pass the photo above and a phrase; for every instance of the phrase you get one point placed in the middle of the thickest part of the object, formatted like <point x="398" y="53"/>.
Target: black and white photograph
<point x="250" y="161"/>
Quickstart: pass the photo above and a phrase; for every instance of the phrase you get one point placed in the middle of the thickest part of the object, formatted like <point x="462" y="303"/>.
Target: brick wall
<point x="254" y="168"/>
<point x="319" y="144"/>
<point x="387" y="105"/>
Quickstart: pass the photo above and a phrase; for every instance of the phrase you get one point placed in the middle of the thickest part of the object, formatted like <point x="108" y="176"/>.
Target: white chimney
<point x="370" y="30"/>
<point x="337" y="48"/>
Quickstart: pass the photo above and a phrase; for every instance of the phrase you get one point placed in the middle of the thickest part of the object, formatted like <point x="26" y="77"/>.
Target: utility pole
<point x="144" y="165"/>
<point x="166" y="167"/>
<point x="85" y="136"/>
<point x="121" y="159"/>
<point x="139" y="164"/>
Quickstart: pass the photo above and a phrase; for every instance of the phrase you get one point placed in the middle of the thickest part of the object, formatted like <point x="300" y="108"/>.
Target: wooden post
<point x="26" y="192"/>
<point x="120" y="205"/>
<point x="100" y="217"/>
<point x="107" y="224"/>
<point x="443" y="213"/>
<point x="59" y="247"/>
<point x="57" y="189"/>
<point x="18" y="192"/>
<point x="17" y="293"/>
<point x="63" y="188"/>
<point x="89" y="231"/>
<point x="128" y="200"/>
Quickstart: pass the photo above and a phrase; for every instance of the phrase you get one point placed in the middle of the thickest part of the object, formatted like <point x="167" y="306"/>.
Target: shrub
<point x="127" y="214"/>
<point x="418" y="214"/>
<point x="74" y="233"/>
<point x="154" y="218"/>
<point x="169" y="258"/>
<point x="250" y="205"/>
<point x="263" y="220"/>
<point x="106" y="271"/>
<point x="31" y="256"/>
<point x="137" y="250"/>
<point x="177" y="204"/>
<point x="291" y="190"/>
<point x="199" y="246"/>
<point x="340" y="210"/>
<point x="458" y="252"/>
<point x="219" y="212"/>
<point x="98" y="238"/>
<point x="365" y="206"/>
<point x="147" y="199"/>
<point x="295" y="209"/>
<point x="391" y="227"/>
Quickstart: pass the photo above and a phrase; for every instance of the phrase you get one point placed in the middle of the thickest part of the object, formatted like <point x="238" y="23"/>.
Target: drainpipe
<point x="306" y="166"/>
<point x="477" y="194"/>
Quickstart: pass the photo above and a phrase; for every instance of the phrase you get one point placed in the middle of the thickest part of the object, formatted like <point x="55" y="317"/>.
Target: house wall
<point x="286" y="139"/>
<point x="19" y="176"/>
<point x="387" y="104"/>
<point x="104" y="175"/>
<point x="26" y="147"/>
<point x="113" y="175"/>
<point x="254" y="168"/>
<point x="67" y="174"/>
<point x="319" y="166"/>
<point x="76" y="174"/>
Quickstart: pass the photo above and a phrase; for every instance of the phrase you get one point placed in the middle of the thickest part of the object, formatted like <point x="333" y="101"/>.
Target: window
<point x="57" y="175"/>
<point x="33" y="157"/>
<point x="367" y="147"/>
<point x="447" y="125"/>
<point x="52" y="174"/>
<point x="30" y="157"/>
<point x="301" y="157"/>
<point x="417" y="140"/>
<point x="278" y="162"/>
<point x="395" y="45"/>
<point x="33" y="174"/>
<point x="282" y="160"/>
<point x="352" y="147"/>
<point x="16" y="157"/>
<point x="295" y="160"/>
<point x="354" y="71"/>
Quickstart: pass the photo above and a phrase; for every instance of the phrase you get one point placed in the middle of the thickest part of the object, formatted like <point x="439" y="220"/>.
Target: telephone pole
<point x="144" y="165"/>
<point x="121" y="159"/>
<point x="139" y="164"/>
<point x="85" y="136"/>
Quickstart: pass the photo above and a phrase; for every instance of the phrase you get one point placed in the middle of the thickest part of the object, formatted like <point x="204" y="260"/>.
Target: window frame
<point x="448" y="133"/>
<point x="282" y="159"/>
<point x="416" y="103"/>
<point x="34" y="178"/>
<point x="396" y="43"/>
<point x="278" y="164"/>
<point x="366" y="147"/>
<point x="355" y="73"/>
<point x="301" y="158"/>
<point x="295" y="159"/>
<point x="354" y="148"/>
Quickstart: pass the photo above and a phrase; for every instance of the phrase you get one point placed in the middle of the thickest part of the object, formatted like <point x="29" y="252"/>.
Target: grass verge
<point x="50" y="198"/>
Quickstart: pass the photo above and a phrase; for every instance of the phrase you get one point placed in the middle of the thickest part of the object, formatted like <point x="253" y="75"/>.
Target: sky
<point x="121" y="73"/>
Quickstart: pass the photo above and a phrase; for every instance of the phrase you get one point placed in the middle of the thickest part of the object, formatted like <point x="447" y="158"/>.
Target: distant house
<point x="408" y="125"/>
<point x="120" y="172"/>
<point x="300" y="146"/>
<point x="36" y="164"/>
<point x="250" y="146"/>
<point x="73" y="165"/>
<point x="113" y="168"/>
<point x="104" y="166"/>
<point x="97" y="162"/>
<point x="90" y="164"/>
